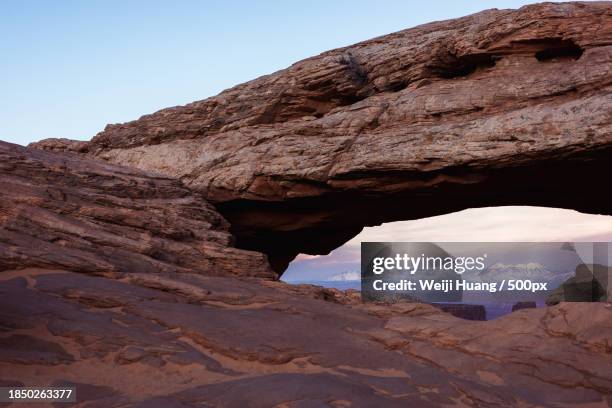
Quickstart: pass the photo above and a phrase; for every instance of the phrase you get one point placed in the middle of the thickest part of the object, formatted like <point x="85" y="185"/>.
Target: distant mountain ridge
<point x="529" y="270"/>
<point x="348" y="276"/>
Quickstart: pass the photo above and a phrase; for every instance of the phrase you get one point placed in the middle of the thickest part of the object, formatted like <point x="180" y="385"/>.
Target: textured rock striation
<point x="192" y="340"/>
<point x="501" y="107"/>
<point x="63" y="211"/>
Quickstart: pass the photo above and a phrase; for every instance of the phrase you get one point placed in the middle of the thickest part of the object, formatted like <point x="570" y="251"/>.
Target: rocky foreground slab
<point x="187" y="340"/>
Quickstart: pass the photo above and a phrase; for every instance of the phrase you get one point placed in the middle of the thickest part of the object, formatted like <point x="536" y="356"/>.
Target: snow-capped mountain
<point x="531" y="270"/>
<point x="346" y="276"/>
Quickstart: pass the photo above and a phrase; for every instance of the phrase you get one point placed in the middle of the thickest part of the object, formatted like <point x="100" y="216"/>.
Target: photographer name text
<point x="450" y="285"/>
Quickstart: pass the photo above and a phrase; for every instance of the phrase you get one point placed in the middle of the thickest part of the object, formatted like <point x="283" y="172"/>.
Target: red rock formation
<point x="126" y="283"/>
<point x="69" y="212"/>
<point x="498" y="108"/>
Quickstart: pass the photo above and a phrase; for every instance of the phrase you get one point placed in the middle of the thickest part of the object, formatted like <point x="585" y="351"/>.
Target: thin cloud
<point x="495" y="224"/>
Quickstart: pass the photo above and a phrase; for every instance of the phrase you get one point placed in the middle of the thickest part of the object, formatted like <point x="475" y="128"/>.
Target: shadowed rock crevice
<point x="558" y="48"/>
<point x="346" y="84"/>
<point x="447" y="65"/>
<point x="317" y="225"/>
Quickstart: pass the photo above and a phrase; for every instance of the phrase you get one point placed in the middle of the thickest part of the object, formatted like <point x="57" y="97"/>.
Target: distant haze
<point x="499" y="224"/>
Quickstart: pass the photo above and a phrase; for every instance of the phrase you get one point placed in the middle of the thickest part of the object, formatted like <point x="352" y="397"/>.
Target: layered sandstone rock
<point x="63" y="211"/>
<point x="498" y="108"/>
<point x="123" y="284"/>
<point x="191" y="340"/>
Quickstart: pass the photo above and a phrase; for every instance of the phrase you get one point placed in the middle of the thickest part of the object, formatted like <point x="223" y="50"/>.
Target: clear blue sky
<point x="70" y="67"/>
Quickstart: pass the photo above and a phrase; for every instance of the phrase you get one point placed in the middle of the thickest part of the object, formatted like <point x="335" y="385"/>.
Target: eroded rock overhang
<point x="497" y="108"/>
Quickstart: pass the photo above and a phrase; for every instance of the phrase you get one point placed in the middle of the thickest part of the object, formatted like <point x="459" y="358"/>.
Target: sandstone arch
<point x="110" y="273"/>
<point x="498" y="108"/>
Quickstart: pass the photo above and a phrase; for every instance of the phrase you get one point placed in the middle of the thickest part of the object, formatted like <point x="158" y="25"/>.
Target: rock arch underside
<point x="142" y="265"/>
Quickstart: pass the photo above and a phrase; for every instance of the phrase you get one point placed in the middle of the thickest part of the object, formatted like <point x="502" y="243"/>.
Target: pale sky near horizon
<point x="500" y="224"/>
<point x="70" y="67"/>
<point x="490" y="224"/>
